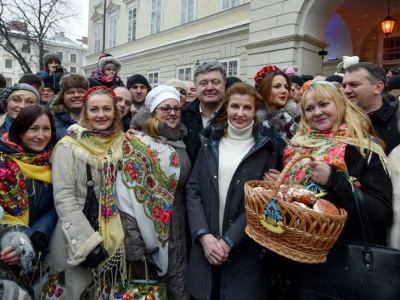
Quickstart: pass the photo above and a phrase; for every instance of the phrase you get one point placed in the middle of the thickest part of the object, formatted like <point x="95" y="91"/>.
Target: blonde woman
<point x="80" y="252"/>
<point x="348" y="156"/>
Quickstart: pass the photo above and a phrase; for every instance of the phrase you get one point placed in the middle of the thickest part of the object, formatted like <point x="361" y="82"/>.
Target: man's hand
<point x="213" y="250"/>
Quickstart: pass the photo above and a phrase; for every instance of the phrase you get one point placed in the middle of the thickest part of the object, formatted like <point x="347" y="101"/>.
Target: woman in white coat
<point x="79" y="254"/>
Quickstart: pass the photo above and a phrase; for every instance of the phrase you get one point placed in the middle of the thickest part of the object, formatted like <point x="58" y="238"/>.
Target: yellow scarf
<point x="103" y="150"/>
<point x="13" y="194"/>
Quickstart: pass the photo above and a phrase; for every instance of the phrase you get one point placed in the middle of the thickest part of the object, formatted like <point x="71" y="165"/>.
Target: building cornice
<point x="215" y="35"/>
<point x="287" y="39"/>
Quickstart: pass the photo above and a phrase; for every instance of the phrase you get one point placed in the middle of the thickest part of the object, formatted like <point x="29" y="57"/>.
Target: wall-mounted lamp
<point x="388" y="22"/>
<point x="323" y="53"/>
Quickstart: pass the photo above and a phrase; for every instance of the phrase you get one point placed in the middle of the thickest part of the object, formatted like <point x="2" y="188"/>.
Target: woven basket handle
<point x="287" y="168"/>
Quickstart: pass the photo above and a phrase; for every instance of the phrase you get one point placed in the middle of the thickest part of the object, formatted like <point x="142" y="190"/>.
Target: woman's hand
<point x="213" y="250"/>
<point x="320" y="172"/>
<point x="127" y="136"/>
<point x="272" y="175"/>
<point x="10" y="256"/>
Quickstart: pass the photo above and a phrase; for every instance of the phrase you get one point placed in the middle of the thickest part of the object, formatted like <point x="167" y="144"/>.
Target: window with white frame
<point x="185" y="73"/>
<point x="97" y="36"/>
<point x="72" y="70"/>
<point x="60" y="55"/>
<point x="132" y="18"/>
<point x="113" y="32"/>
<point x="156" y="9"/>
<point x="187" y="11"/>
<point x="8" y="81"/>
<point x="226" y="4"/>
<point x="8" y="63"/>
<point x="153" y="78"/>
<point x="72" y="58"/>
<point x="231" y="66"/>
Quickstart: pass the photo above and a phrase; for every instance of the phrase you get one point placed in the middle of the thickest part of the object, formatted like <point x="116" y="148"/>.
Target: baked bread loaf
<point x="304" y="196"/>
<point x="325" y="206"/>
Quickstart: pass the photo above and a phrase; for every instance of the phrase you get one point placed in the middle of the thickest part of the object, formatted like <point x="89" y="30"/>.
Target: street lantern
<point x="388" y="22"/>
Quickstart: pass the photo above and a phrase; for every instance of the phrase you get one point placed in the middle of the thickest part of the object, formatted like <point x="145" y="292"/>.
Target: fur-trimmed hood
<point x="109" y="59"/>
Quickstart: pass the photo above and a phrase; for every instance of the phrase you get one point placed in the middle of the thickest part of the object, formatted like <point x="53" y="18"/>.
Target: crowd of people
<point x="101" y="176"/>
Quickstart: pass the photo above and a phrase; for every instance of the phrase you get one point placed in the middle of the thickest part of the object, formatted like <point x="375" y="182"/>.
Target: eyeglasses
<point x="167" y="109"/>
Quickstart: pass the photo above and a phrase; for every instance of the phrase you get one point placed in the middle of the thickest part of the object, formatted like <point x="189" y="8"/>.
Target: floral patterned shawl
<point x="15" y="167"/>
<point x="326" y="147"/>
<point x="150" y="171"/>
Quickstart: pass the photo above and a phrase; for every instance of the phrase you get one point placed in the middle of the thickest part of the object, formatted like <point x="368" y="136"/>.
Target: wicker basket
<point x="301" y="234"/>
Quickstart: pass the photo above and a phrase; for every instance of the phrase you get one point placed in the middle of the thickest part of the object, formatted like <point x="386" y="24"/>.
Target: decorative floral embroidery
<point x="153" y="186"/>
<point x="14" y="197"/>
<point x="109" y="208"/>
<point x="324" y="148"/>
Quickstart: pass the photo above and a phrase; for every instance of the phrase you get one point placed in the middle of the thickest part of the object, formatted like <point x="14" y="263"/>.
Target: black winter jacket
<point x="192" y="119"/>
<point x="245" y="274"/>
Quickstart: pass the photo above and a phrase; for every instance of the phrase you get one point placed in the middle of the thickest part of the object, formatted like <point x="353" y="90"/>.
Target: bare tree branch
<point x="33" y="21"/>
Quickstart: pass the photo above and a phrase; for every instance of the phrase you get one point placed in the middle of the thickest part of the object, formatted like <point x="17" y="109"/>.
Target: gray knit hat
<point x="48" y="57"/>
<point x="176" y="83"/>
<point x="6" y="92"/>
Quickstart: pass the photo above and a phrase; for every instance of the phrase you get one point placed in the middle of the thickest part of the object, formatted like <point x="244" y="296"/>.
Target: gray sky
<point x="79" y="28"/>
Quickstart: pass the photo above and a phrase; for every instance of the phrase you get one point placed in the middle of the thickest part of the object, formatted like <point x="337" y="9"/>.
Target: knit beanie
<point x="6" y="92"/>
<point x="70" y="81"/>
<point x="138" y="78"/>
<point x="160" y="94"/>
<point x="230" y="80"/>
<point x="104" y="61"/>
<point x="177" y="83"/>
<point x="394" y="83"/>
<point x="48" y="57"/>
<point x="297" y="79"/>
<point x="336" y="78"/>
<point x="109" y="65"/>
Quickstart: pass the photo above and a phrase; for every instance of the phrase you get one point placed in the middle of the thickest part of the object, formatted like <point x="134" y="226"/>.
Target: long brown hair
<point x="265" y="86"/>
<point x="26" y="117"/>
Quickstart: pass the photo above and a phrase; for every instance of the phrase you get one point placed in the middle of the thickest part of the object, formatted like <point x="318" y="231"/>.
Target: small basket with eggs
<point x="290" y="220"/>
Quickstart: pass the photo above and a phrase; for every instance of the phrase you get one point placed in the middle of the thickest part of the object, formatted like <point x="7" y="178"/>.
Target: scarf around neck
<point x="16" y="166"/>
<point x="327" y="147"/>
<point x="102" y="150"/>
<point x="150" y="171"/>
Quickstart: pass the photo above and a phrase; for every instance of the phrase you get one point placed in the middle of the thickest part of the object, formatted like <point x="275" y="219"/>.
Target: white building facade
<point x="72" y="56"/>
<point x="163" y="39"/>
